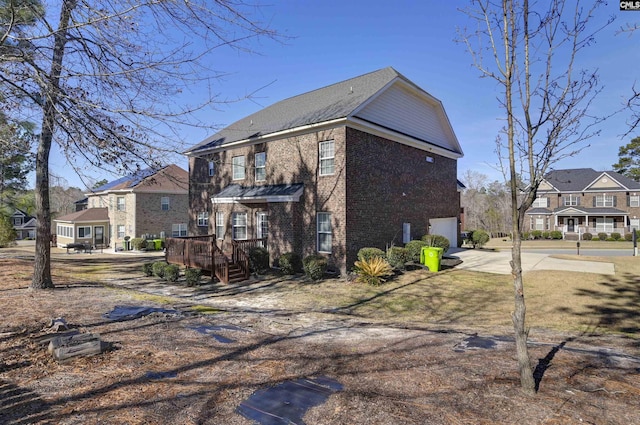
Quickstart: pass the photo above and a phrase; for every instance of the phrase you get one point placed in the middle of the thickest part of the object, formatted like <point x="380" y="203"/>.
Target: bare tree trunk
<point x="518" y="316"/>
<point x="42" y="266"/>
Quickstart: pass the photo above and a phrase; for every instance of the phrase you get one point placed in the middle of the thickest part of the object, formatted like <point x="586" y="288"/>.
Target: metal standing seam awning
<point x="259" y="194"/>
<point x="577" y="211"/>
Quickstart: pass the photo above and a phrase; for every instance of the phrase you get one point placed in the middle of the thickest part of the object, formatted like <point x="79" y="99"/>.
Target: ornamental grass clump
<point x="373" y="271"/>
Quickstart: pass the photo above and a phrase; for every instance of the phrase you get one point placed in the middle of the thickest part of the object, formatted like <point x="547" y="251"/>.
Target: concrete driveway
<point x="498" y="262"/>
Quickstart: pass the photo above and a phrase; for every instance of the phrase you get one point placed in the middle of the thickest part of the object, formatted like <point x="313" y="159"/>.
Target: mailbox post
<point x="578" y="247"/>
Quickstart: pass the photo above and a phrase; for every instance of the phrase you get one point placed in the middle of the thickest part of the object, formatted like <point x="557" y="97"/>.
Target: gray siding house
<point x="366" y="162"/>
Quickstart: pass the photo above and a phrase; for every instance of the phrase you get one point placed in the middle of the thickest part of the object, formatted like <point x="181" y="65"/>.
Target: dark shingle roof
<point x="331" y="102"/>
<point x="593" y="211"/>
<point x="126" y="182"/>
<point x="540" y="211"/>
<point x="578" y="179"/>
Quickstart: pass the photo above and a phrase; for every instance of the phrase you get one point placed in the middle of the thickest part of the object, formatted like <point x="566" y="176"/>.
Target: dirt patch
<point x="160" y="368"/>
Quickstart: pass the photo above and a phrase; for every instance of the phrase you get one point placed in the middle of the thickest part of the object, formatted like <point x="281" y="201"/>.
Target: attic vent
<point x="429" y="159"/>
<point x="350" y="89"/>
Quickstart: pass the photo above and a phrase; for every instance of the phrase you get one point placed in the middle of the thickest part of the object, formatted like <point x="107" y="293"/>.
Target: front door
<point x="98" y="235"/>
<point x="571" y="227"/>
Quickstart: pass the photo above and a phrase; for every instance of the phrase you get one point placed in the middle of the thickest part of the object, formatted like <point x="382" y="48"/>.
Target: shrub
<point x="138" y="244"/>
<point x="616" y="236"/>
<point x="397" y="257"/>
<point x="437" y="241"/>
<point x="610" y="240"/>
<point x="587" y="236"/>
<point x="413" y="250"/>
<point x="367" y="253"/>
<point x="537" y="234"/>
<point x="373" y="271"/>
<point x="171" y="272"/>
<point x="628" y="236"/>
<point x="192" y="276"/>
<point x="545" y="235"/>
<point x="290" y="263"/>
<point x="526" y="236"/>
<point x="555" y="234"/>
<point x="314" y="266"/>
<point x="602" y="236"/>
<point x="158" y="268"/>
<point x="259" y="259"/>
<point x="147" y="269"/>
<point x="479" y="238"/>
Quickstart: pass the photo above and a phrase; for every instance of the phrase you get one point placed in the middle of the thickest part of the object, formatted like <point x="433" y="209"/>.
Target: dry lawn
<point x="398" y="349"/>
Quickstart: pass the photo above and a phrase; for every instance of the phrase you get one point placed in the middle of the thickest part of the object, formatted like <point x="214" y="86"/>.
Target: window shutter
<point x="594" y="201"/>
<point x="578" y="199"/>
<point x="546" y="201"/>
<point x="563" y="201"/>
<point x="628" y="200"/>
<point x="615" y="201"/>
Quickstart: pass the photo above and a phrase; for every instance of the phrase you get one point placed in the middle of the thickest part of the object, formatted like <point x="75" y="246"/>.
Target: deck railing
<point x="240" y="252"/>
<point x="198" y="252"/>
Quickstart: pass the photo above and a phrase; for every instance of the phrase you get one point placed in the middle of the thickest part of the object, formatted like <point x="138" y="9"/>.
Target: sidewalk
<point x="499" y="262"/>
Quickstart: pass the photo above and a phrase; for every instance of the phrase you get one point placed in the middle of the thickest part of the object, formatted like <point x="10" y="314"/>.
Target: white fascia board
<point x="292" y="132"/>
<point x="386" y="133"/>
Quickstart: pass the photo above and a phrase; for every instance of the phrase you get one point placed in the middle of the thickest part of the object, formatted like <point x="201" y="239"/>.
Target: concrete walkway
<point x="499" y="262"/>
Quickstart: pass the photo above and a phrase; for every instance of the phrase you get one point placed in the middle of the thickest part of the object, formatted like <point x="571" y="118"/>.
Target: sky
<point x="330" y="41"/>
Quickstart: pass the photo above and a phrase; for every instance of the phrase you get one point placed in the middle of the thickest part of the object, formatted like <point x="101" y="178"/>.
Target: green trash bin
<point x="157" y="244"/>
<point x="431" y="256"/>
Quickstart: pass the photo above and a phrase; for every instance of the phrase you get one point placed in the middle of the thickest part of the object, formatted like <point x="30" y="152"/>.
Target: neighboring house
<point x="367" y="162"/>
<point x="149" y="203"/>
<point x="89" y="226"/>
<point x="24" y="225"/>
<point x="81" y="204"/>
<point x="583" y="200"/>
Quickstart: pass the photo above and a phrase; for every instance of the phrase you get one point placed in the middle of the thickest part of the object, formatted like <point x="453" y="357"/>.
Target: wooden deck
<point x="202" y="252"/>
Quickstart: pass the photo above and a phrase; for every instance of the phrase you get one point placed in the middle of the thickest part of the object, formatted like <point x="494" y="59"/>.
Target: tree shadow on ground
<point x="616" y="304"/>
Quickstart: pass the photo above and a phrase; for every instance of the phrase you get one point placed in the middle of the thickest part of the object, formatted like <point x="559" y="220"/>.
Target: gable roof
<point x="581" y="179"/>
<point x="90" y="214"/>
<point x="345" y="100"/>
<point x="170" y="175"/>
<point x="19" y="212"/>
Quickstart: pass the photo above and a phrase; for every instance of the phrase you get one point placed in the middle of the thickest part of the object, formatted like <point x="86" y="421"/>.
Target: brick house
<point x="582" y="200"/>
<point x="367" y="162"/>
<point x="150" y="203"/>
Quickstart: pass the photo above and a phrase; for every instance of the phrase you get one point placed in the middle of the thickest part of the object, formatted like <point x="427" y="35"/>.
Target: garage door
<point x="447" y="227"/>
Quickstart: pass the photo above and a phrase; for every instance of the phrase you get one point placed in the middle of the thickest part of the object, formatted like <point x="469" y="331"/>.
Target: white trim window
<point x="239" y="225"/>
<point x="164" y="203"/>
<point x="604" y="201"/>
<point x="120" y="203"/>
<point x="261" y="166"/>
<point x="634" y="223"/>
<point x="634" y="201"/>
<point x="327" y="157"/>
<point x="237" y="167"/>
<point x="212" y="168"/>
<point x="571" y="200"/>
<point x="64" y="231"/>
<point x="604" y="224"/>
<point x="541" y="202"/>
<point x="178" y="230"/>
<point x="121" y="230"/>
<point x="203" y="219"/>
<point x="324" y="232"/>
<point x="219" y="225"/>
<point x="540" y="224"/>
<point x="84" y="231"/>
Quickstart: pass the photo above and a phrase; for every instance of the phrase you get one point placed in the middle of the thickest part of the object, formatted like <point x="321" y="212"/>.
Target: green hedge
<point x="290" y="263"/>
<point x="367" y="253"/>
<point x="314" y="266"/>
